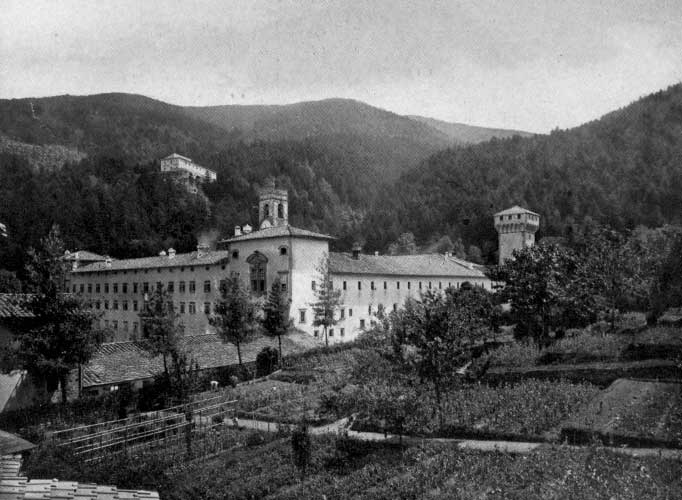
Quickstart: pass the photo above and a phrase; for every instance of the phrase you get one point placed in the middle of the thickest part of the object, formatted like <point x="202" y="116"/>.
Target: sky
<point x="521" y="64"/>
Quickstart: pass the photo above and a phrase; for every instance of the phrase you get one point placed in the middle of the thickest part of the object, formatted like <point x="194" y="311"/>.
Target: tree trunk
<point x="438" y="403"/>
<point x="63" y="380"/>
<point x="326" y="339"/>
<point x="281" y="359"/>
<point x="239" y="354"/>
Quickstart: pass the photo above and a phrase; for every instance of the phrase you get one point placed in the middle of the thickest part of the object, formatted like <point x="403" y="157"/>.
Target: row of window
<point x="123" y="305"/>
<point x="124" y="325"/>
<point x="372" y="285"/>
<point x="302" y="314"/>
<point x="330" y="332"/>
<point x="140" y="287"/>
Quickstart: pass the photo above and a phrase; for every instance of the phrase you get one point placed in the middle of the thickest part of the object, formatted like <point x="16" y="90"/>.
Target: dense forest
<point x="622" y="170"/>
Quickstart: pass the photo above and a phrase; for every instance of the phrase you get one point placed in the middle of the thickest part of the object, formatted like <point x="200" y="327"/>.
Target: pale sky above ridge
<point x="525" y="64"/>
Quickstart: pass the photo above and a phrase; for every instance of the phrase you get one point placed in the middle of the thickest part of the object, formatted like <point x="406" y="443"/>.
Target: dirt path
<point x="462" y="444"/>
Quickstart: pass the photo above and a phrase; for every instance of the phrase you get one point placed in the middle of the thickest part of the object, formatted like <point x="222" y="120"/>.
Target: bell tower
<point x="273" y="206"/>
<point x="516" y="229"/>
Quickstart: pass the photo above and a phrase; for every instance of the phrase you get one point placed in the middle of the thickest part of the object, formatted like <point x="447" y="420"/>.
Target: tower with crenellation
<point x="516" y="229"/>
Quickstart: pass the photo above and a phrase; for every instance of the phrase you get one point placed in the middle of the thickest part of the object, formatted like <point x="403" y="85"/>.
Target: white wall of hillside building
<point x="175" y="163"/>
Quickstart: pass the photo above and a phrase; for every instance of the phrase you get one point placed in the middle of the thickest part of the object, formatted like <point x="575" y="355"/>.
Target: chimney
<point x="246" y="229"/>
<point x="171" y="253"/>
<point x="237" y="231"/>
<point x="202" y="250"/>
<point x="107" y="261"/>
<point x="376" y="253"/>
<point x="356" y="250"/>
<point x="162" y="253"/>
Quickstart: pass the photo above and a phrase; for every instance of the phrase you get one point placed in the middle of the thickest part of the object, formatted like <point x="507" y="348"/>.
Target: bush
<point x="515" y="354"/>
<point x="266" y="361"/>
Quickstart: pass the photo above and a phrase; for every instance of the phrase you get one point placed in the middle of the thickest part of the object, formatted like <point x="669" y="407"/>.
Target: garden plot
<point x="631" y="412"/>
<point x="661" y="342"/>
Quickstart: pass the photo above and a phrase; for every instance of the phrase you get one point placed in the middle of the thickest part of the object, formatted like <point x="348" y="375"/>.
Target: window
<point x="114" y="324"/>
<point x="342" y="313"/>
<point x="235" y="254"/>
<point x="125" y="305"/>
<point x="171" y="286"/>
<point x="266" y="211"/>
<point x="331" y="332"/>
<point x="182" y="308"/>
<point x="125" y="326"/>
<point x="284" y="286"/>
<point x="395" y="307"/>
<point x="344" y="285"/>
<point x="115" y="305"/>
<point x="89" y="287"/>
<point x="350" y="313"/>
<point x="124" y="287"/>
<point x="115" y="287"/>
<point x="207" y="308"/>
<point x="192" y="308"/>
<point x="106" y="304"/>
<point x="106" y="323"/>
<point x="342" y="332"/>
<point x="282" y="250"/>
<point x="397" y="285"/>
<point x="159" y="286"/>
<point x="135" y="327"/>
<point x="359" y="285"/>
<point x="371" y="285"/>
<point x="429" y="285"/>
<point x="362" y="323"/>
<point x="316" y="333"/>
<point x="369" y="309"/>
<point x="98" y="304"/>
<point x="181" y="286"/>
<point x="385" y="285"/>
<point x="420" y="285"/>
<point x="280" y="211"/>
<point x="82" y="287"/>
<point x="134" y="305"/>
<point x="75" y="288"/>
<point x="258" y="270"/>
<point x="207" y="286"/>
<point x="145" y="287"/>
<point x="301" y="315"/>
<point x="313" y="285"/>
<point x="440" y="285"/>
<point x="134" y="287"/>
<point x="192" y="287"/>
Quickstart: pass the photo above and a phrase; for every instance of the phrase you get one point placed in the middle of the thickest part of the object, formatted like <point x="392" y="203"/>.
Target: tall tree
<point x="442" y="328"/>
<point x="161" y="330"/>
<point x="276" y="320"/>
<point x="548" y="288"/>
<point x="328" y="299"/>
<point x="235" y="315"/>
<point x="62" y="334"/>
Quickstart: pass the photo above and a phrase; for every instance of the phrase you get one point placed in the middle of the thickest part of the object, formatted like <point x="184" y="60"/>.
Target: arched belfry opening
<point x="273" y="206"/>
<point x="258" y="272"/>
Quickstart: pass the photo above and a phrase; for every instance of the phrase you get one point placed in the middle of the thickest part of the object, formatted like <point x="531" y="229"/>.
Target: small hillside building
<point x="187" y="168"/>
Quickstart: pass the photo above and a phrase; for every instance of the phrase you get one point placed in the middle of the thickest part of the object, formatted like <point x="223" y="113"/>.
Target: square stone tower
<point x="273" y="207"/>
<point x="516" y="229"/>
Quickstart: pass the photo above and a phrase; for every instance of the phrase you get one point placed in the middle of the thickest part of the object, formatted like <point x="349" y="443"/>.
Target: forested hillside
<point x="623" y="170"/>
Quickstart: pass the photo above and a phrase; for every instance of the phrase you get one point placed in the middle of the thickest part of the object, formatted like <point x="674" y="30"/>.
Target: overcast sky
<point x="530" y="65"/>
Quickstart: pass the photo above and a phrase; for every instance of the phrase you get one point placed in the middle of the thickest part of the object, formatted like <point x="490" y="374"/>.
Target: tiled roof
<point x="279" y="231"/>
<point x="516" y="210"/>
<point x="12" y="305"/>
<point x="15" y="487"/>
<point x="127" y="361"/>
<point x="10" y="444"/>
<point x="404" y="265"/>
<point x="180" y="259"/>
<point x="84" y="255"/>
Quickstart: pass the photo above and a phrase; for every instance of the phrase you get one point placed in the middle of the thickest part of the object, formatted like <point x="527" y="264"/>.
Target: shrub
<point x="515" y="354"/>
<point x="266" y="361"/>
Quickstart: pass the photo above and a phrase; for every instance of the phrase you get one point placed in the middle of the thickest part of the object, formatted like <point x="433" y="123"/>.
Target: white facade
<point x="177" y="163"/>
